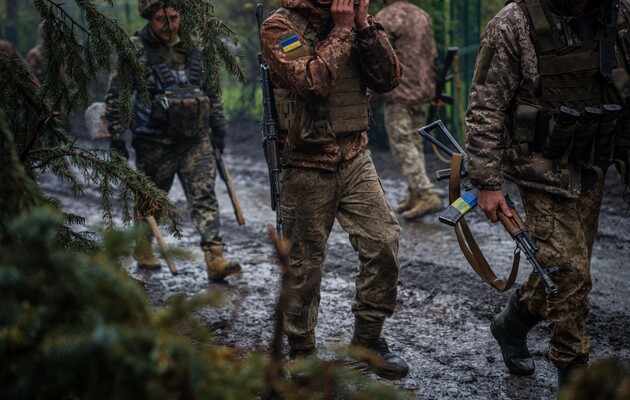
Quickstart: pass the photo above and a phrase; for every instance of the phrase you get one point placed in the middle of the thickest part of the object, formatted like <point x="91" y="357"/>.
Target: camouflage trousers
<point x="311" y="201"/>
<point x="402" y="123"/>
<point x="564" y="230"/>
<point x="193" y="162"/>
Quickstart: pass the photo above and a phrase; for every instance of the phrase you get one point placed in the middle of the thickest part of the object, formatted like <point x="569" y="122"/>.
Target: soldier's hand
<point x="218" y="142"/>
<point x="490" y="201"/>
<point x="119" y="146"/>
<point x="342" y="12"/>
<point x="361" y="14"/>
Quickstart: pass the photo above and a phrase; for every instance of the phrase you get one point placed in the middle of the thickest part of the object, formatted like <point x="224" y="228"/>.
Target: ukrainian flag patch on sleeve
<point x="291" y="45"/>
<point x="289" y="42"/>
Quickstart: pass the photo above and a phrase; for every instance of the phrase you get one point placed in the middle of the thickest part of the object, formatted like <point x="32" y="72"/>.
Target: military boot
<point x="407" y="204"/>
<point x="145" y="259"/>
<point x="510" y="328"/>
<point x="426" y="203"/>
<point x="218" y="266"/>
<point x="566" y="375"/>
<point x="368" y="345"/>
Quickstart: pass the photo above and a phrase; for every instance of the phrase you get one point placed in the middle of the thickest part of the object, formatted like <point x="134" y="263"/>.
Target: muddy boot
<point x="145" y="259"/>
<point x="218" y="266"/>
<point x="368" y="345"/>
<point x="426" y="203"/>
<point x="566" y="375"/>
<point x="510" y="328"/>
<point x="300" y="346"/>
<point x="407" y="204"/>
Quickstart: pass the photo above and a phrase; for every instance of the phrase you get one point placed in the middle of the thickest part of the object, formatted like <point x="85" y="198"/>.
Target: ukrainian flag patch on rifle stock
<point x="291" y="45"/>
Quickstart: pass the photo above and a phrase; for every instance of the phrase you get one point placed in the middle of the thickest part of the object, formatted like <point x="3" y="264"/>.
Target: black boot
<point x="372" y="348"/>
<point x="510" y="328"/>
<point x="566" y="375"/>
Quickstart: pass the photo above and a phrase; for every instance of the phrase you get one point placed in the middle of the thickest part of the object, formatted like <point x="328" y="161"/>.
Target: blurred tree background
<point x="456" y="23"/>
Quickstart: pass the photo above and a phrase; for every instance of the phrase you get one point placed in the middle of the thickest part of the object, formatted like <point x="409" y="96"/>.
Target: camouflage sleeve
<point x="378" y="58"/>
<point x="495" y="83"/>
<point x="218" y="122"/>
<point x="310" y="76"/>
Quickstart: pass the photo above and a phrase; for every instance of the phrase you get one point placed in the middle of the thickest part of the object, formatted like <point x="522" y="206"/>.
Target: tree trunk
<point x="12" y="8"/>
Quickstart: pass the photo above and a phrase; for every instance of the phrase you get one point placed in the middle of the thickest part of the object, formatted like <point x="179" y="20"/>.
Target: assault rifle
<point x="269" y="131"/>
<point x="461" y="205"/>
<point x="225" y="177"/>
<point x="436" y="109"/>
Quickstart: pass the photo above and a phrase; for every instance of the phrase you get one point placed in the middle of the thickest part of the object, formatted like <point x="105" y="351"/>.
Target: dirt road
<point x="441" y="325"/>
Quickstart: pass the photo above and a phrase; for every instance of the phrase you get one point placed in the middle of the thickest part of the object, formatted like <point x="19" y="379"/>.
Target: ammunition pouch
<point x="188" y="112"/>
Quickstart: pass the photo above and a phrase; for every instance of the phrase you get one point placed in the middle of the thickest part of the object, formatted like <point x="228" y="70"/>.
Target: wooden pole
<point x="160" y="239"/>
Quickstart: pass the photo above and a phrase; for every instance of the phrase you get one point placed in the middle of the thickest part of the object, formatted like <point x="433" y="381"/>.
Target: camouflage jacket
<point x="507" y="66"/>
<point x="175" y="57"/>
<point x="313" y="77"/>
<point x="410" y="31"/>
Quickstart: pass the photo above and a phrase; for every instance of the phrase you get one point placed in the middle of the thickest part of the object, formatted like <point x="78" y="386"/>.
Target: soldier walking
<point x="409" y="29"/>
<point x="545" y="111"/>
<point x="172" y="135"/>
<point x="323" y="55"/>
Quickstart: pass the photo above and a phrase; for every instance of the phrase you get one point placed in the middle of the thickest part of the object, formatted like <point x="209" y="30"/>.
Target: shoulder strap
<point x="157" y="64"/>
<point x="545" y="38"/>
<point x="467" y="242"/>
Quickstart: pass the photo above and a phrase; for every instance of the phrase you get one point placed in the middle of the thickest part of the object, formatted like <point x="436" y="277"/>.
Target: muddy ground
<point x="441" y="325"/>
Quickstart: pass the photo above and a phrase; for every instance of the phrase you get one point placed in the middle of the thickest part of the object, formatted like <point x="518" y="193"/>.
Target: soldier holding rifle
<point x="323" y="56"/>
<point x="545" y="112"/>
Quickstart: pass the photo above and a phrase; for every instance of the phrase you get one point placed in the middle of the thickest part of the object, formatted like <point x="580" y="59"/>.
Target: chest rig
<point x="582" y="93"/>
<point x="179" y="107"/>
<point x="344" y="112"/>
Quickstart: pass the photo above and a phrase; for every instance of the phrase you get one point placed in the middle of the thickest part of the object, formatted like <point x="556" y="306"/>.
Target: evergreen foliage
<point x="74" y="326"/>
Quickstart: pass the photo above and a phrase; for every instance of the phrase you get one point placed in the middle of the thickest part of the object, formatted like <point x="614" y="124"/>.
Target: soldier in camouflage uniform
<point x="172" y="135"/>
<point x="409" y="29"/>
<point x="545" y="113"/>
<point x="323" y="56"/>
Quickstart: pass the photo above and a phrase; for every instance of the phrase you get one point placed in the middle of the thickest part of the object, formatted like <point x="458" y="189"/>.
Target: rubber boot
<point x="426" y="203"/>
<point x="368" y="345"/>
<point x="407" y="203"/>
<point x="566" y="375"/>
<point x="510" y="328"/>
<point x="218" y="266"/>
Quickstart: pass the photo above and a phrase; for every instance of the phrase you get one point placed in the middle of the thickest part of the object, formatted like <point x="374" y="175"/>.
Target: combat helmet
<point x="146" y="8"/>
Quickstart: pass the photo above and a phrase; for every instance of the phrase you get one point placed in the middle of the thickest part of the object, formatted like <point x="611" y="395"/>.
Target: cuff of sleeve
<point x="368" y="37"/>
<point x="342" y="34"/>
<point x="482" y="186"/>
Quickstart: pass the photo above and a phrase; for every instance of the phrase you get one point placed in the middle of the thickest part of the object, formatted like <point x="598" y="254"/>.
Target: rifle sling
<point x="467" y="242"/>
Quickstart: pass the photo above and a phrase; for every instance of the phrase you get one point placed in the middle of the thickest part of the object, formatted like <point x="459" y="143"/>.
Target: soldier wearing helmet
<point x="548" y="110"/>
<point x="176" y="132"/>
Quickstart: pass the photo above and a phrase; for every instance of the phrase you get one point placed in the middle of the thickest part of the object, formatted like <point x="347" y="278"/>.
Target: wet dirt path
<point x="441" y="325"/>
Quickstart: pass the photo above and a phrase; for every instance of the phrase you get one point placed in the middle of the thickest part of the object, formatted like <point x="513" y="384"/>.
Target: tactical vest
<point x="581" y="94"/>
<point x="344" y="112"/>
<point x="179" y="107"/>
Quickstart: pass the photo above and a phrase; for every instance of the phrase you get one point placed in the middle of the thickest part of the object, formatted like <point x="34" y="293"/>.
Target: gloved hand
<point x="218" y="142"/>
<point x="120" y="147"/>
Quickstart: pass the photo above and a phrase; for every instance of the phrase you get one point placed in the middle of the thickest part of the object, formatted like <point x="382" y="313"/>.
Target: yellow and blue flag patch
<point x="291" y="45"/>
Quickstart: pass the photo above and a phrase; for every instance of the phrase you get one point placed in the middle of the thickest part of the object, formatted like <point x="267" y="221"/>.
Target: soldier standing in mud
<point x="545" y="113"/>
<point x="323" y="56"/>
<point x="409" y="29"/>
<point x="172" y="135"/>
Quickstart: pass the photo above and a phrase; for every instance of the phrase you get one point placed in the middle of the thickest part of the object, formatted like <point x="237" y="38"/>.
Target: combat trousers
<point x="193" y="162"/>
<point x="402" y="123"/>
<point x="564" y="230"/>
<point x="311" y="201"/>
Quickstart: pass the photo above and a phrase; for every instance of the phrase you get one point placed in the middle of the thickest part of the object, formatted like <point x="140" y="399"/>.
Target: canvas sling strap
<point x="467" y="242"/>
